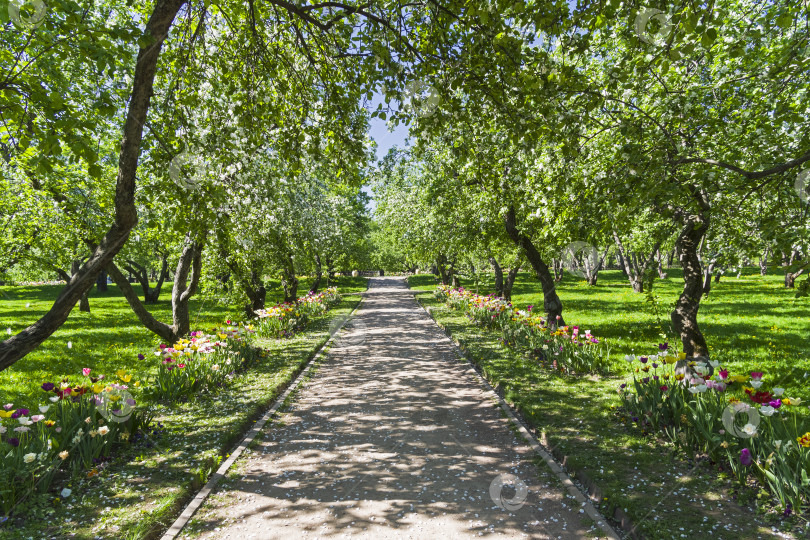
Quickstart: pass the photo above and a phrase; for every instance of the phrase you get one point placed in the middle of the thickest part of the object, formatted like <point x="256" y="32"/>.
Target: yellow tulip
<point x="6" y="414"/>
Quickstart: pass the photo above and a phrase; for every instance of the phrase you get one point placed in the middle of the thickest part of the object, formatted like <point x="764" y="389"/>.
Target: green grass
<point x="108" y="338"/>
<point x="140" y="492"/>
<point x="666" y="495"/>
<point x="751" y="324"/>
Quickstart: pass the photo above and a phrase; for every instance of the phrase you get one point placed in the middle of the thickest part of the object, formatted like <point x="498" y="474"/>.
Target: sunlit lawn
<point x="752" y="323"/>
<point x="108" y="338"/>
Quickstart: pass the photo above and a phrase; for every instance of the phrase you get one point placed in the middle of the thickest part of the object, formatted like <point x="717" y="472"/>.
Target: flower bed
<point x="204" y="362"/>
<point x="73" y="430"/>
<point x="566" y="347"/>
<point x="733" y="419"/>
<point x="283" y="320"/>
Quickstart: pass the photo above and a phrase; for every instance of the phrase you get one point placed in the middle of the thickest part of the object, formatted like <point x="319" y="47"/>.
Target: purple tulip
<point x="663" y="346"/>
<point x="643" y="359"/>
<point x="48" y="386"/>
<point x="14" y="441"/>
<point x="745" y="457"/>
<point x="141" y="357"/>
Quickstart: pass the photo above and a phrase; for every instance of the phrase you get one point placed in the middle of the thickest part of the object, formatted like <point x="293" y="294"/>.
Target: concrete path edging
<point x="206" y="490"/>
<point x="559" y="472"/>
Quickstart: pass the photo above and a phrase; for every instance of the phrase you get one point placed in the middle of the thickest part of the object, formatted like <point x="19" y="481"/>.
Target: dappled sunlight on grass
<point x="663" y="494"/>
<point x="752" y="323"/>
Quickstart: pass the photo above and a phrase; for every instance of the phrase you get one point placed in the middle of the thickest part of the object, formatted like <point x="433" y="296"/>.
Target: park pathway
<point x="392" y="437"/>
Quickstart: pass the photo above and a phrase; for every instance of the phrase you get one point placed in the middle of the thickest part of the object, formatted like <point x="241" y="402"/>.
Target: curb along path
<point x="393" y="437"/>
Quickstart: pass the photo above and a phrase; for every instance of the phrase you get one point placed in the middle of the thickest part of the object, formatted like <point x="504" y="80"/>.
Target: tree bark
<point x="790" y="277"/>
<point x="661" y="273"/>
<point x="289" y="281"/>
<point x="126" y="213"/>
<point x="150" y="294"/>
<point x="633" y="270"/>
<point x="318" y="274"/>
<point x="182" y="291"/>
<point x="551" y="302"/>
<point x="84" y="301"/>
<point x="498" y="276"/>
<point x="557" y="265"/>
<point x="440" y="262"/>
<point x="684" y="316"/>
<point x="763" y="261"/>
<point x="707" y="277"/>
<point x="510" y="278"/>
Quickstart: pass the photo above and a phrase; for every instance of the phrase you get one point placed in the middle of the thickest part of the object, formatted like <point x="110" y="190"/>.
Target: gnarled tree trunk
<point x="684" y="316"/>
<point x="634" y="269"/>
<point x="509" y="282"/>
<point x="150" y="294"/>
<point x="289" y="281"/>
<point x="498" y="275"/>
<point x="126" y="213"/>
<point x="318" y="274"/>
<point x="551" y="302"/>
<point x="182" y="291"/>
<point x="84" y="301"/>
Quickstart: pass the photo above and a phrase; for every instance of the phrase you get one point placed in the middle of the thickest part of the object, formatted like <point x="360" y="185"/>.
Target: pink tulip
<point x="86" y="371"/>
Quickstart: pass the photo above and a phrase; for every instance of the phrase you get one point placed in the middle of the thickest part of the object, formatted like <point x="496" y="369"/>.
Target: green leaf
<point x="784" y="20"/>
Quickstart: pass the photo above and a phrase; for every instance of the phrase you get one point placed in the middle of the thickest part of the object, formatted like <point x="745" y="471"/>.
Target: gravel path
<point x="392" y="437"/>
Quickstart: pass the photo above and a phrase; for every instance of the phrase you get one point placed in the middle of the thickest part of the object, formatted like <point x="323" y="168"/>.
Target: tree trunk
<point x="763" y="261"/>
<point x="629" y="266"/>
<point x="289" y="281"/>
<point x="453" y="275"/>
<point x="257" y="293"/>
<point x="101" y="281"/>
<point x="510" y="278"/>
<point x="790" y="277"/>
<point x="661" y="273"/>
<point x="592" y="274"/>
<point x="498" y="275"/>
<point x="671" y="258"/>
<point x="318" y="274"/>
<point x="707" y="277"/>
<point x="684" y="316"/>
<point x="126" y="213"/>
<point x="551" y="302"/>
<point x="441" y="260"/>
<point x="141" y="273"/>
<point x="182" y="291"/>
<point x="84" y="301"/>
<point x="557" y="265"/>
<point x="634" y="270"/>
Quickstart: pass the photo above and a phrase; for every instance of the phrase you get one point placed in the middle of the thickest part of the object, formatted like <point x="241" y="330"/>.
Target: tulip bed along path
<point x="392" y="437"/>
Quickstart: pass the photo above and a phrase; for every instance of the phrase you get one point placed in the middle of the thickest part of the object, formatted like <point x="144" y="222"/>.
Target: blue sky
<point x="378" y="131"/>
